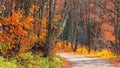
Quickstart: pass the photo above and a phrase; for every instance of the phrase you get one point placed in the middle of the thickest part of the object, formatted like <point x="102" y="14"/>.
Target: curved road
<point x="79" y="61"/>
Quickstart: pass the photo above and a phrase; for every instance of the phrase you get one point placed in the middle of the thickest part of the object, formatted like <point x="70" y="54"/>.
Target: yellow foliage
<point x="33" y="7"/>
<point x="104" y="54"/>
<point x="82" y="50"/>
<point x="61" y="45"/>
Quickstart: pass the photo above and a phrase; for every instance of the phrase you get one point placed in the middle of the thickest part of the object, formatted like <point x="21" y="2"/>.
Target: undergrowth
<point x="107" y="54"/>
<point x="28" y="60"/>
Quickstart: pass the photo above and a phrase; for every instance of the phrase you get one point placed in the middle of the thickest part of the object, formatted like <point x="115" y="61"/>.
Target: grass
<point x="28" y="60"/>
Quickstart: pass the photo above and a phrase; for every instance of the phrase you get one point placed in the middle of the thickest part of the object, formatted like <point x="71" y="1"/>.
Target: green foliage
<point x="25" y="56"/>
<point x="4" y="46"/>
<point x="28" y="60"/>
<point x="44" y="62"/>
<point x="56" y="62"/>
<point x="5" y="49"/>
<point x="50" y="62"/>
<point x="4" y="63"/>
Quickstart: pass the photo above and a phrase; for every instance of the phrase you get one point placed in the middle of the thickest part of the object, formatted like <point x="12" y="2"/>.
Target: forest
<point x="34" y="32"/>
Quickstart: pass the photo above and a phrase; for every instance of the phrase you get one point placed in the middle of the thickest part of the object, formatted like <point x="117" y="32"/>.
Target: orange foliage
<point x="61" y="45"/>
<point x="33" y="8"/>
<point x="16" y="30"/>
<point x="107" y="32"/>
<point x="22" y="30"/>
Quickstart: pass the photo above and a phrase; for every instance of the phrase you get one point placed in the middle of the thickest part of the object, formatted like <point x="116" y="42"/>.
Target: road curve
<point x="80" y="61"/>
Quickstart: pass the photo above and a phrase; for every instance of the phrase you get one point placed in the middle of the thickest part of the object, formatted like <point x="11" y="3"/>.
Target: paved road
<point x="79" y="61"/>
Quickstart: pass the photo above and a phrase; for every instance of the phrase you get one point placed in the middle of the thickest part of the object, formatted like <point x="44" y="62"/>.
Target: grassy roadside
<point x="28" y="60"/>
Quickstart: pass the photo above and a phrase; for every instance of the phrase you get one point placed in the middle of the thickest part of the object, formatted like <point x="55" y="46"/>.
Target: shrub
<point x="104" y="53"/>
<point x="5" y="49"/>
<point x="5" y="63"/>
<point x="82" y="50"/>
<point x="57" y="62"/>
<point x="29" y="60"/>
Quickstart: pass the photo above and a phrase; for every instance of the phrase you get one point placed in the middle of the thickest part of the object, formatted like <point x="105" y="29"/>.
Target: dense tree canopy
<point x="33" y="25"/>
